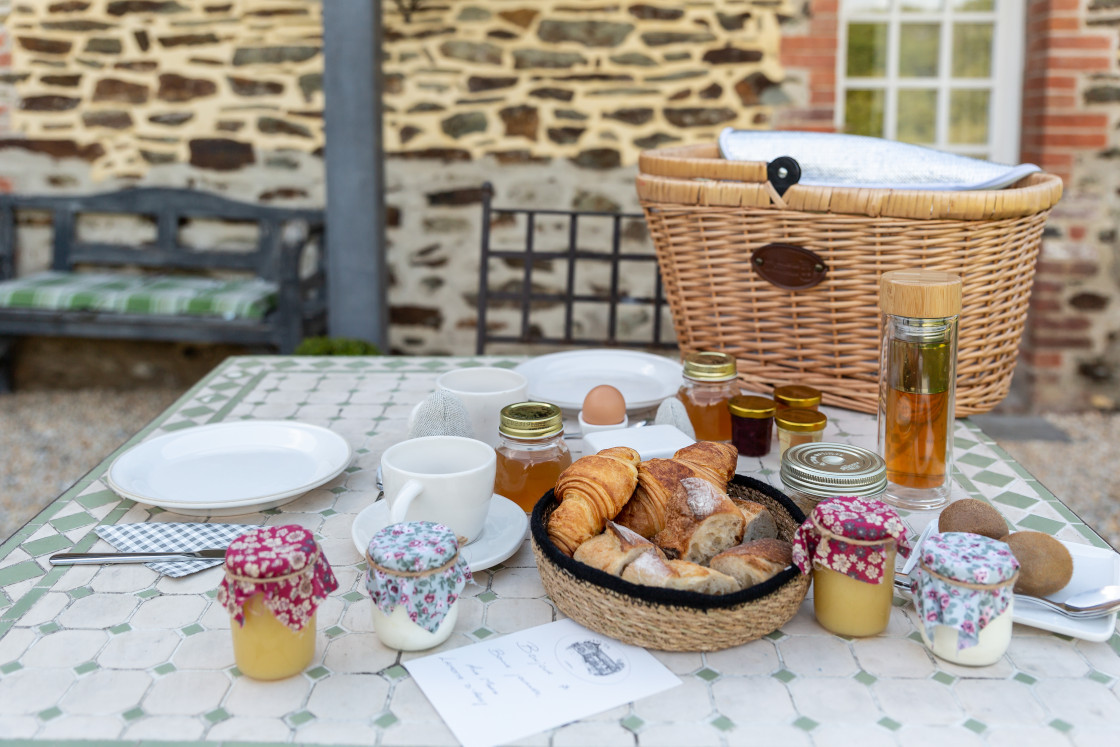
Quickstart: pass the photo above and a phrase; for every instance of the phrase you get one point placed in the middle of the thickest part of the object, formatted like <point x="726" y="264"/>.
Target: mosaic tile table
<point x="119" y="653"/>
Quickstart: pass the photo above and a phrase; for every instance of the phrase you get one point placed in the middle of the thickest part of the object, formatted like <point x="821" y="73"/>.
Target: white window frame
<point x="1005" y="83"/>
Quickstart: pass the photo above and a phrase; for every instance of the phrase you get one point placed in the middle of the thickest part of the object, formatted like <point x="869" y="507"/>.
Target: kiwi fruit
<point x="1045" y="565"/>
<point x="971" y="515"/>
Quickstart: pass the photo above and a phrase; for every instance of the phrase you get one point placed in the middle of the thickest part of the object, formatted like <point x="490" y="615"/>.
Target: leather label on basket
<point x="789" y="267"/>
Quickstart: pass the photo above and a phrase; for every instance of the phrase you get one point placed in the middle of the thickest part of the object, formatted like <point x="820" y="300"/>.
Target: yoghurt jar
<point x="415" y="577"/>
<point x="275" y="579"/>
<point x="962" y="588"/>
<point x="849" y="544"/>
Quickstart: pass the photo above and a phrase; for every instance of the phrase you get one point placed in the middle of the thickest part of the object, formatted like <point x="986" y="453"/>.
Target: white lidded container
<point x="414" y="580"/>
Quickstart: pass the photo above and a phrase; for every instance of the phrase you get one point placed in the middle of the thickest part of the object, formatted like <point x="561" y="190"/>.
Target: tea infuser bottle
<point x="917" y="384"/>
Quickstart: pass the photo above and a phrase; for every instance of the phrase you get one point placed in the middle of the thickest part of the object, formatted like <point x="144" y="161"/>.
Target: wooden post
<point x="356" y="273"/>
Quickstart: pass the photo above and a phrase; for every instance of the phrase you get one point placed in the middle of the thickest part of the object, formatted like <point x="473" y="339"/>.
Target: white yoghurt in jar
<point x="990" y="646"/>
<point x="397" y="631"/>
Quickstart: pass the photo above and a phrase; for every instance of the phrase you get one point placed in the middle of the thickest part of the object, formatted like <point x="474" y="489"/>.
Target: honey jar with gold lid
<point x="531" y="452"/>
<point x="707" y="386"/>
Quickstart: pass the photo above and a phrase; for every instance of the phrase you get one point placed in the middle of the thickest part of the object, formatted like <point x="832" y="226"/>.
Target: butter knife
<point x="93" y="558"/>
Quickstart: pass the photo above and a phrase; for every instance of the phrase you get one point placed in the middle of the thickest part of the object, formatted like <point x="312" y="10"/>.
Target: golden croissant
<point x="592" y="491"/>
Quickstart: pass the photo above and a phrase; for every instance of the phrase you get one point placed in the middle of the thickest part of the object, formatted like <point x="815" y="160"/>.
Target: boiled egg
<point x="603" y="405"/>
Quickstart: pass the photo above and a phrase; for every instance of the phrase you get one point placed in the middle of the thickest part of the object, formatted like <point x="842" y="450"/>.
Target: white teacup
<point x="485" y="391"/>
<point x="446" y="479"/>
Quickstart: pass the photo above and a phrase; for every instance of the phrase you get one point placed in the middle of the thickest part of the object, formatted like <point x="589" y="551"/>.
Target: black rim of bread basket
<point x="538" y="527"/>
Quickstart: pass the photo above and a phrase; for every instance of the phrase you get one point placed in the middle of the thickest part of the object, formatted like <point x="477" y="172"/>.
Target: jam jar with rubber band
<point x="962" y="589"/>
<point x="415" y="577"/>
<point x="275" y="579"/>
<point x="849" y="545"/>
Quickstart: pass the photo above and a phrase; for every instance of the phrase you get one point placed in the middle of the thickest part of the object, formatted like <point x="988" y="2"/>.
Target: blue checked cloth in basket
<point x="173" y="537"/>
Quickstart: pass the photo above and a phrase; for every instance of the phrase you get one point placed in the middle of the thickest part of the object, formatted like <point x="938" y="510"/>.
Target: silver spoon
<point x="1091" y="603"/>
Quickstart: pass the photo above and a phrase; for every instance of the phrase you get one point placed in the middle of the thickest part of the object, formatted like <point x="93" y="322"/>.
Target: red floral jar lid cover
<point x="283" y="564"/>
<point x="848" y="535"/>
<point x="416" y="565"/>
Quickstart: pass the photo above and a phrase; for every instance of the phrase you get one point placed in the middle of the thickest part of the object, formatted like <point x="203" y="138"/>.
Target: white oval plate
<point x="564" y="379"/>
<point x="502" y="533"/>
<point x="224" y="469"/>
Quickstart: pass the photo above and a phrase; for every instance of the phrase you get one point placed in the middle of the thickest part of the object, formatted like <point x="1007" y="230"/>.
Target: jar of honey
<point x="849" y="545"/>
<point x="962" y="589"/>
<point x="275" y="579"/>
<point x="531" y="452"/>
<point x="797" y="397"/>
<point x="797" y="427"/>
<point x="414" y="580"/>
<point x="752" y="424"/>
<point x="706" y="390"/>
<point x="811" y="473"/>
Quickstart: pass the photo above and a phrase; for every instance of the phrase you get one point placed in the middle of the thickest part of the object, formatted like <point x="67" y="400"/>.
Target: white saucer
<point x="502" y="533"/>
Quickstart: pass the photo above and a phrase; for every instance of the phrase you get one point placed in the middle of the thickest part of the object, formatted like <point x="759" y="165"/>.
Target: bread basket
<point x="668" y="619"/>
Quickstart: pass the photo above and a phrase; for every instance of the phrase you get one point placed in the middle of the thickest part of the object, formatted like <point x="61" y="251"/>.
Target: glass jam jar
<point x="799" y="427"/>
<point x="531" y="452"/>
<point x="414" y="580"/>
<point x="275" y="579"/>
<point x="797" y="397"/>
<point x="706" y="389"/>
<point x="849" y="545"/>
<point x="752" y="424"/>
<point x="813" y="472"/>
<point x="962" y="589"/>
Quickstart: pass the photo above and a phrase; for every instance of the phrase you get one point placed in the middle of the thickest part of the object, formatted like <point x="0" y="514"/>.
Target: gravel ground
<point x="50" y="439"/>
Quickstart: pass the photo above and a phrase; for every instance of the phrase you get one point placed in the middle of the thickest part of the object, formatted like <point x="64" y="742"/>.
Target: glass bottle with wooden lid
<point x="707" y="387"/>
<point x="917" y="384"/>
<point x="531" y="452"/>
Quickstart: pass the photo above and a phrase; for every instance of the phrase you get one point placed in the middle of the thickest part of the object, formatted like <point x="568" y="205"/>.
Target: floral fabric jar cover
<point x="283" y="564"/>
<point x="416" y="565"/>
<point x="869" y="523"/>
<point x="963" y="581"/>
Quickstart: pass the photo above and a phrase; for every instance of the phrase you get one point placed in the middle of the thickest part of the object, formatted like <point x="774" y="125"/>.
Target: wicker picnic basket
<point x="713" y="222"/>
<point x="666" y="619"/>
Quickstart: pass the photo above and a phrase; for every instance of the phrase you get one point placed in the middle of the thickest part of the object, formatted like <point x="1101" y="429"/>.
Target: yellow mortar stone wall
<point x="211" y="82"/>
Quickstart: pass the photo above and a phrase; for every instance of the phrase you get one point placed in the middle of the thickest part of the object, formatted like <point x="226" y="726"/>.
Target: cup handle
<point x="405" y="496"/>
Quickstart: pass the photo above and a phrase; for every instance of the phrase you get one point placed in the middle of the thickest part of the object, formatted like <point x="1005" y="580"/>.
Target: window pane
<point x="919" y="6"/>
<point x="968" y="117"/>
<point x="972" y="50"/>
<point x="974" y="5"/>
<point x="918" y="50"/>
<point x="867" y="50"/>
<point x="917" y="116"/>
<point x="867" y="6"/>
<point x="863" y="112"/>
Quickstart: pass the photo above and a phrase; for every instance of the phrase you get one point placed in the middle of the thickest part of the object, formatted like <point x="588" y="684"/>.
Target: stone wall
<point x="550" y="101"/>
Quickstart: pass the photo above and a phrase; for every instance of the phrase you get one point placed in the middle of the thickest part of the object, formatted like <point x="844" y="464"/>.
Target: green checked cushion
<point x="162" y="294"/>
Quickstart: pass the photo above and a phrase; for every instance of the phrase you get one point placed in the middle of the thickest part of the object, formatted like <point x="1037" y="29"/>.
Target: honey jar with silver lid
<point x="531" y="452"/>
<point x="814" y="472"/>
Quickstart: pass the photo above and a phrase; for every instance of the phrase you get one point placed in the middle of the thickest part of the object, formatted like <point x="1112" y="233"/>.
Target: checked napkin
<point x="172" y="537"/>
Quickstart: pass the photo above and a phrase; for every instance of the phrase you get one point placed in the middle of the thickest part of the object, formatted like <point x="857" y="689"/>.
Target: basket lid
<point x="920" y="294"/>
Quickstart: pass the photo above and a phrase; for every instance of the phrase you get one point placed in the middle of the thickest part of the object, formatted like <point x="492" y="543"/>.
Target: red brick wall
<point x="808" y="55"/>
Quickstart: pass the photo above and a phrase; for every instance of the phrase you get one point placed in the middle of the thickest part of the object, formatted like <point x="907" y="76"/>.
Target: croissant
<point x="716" y="461"/>
<point x="592" y="491"/>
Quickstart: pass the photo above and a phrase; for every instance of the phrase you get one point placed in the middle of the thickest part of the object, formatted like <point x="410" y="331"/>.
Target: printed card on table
<point x="527" y="682"/>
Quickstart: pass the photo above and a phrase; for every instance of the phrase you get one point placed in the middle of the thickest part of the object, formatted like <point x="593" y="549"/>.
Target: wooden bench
<point x="162" y="289"/>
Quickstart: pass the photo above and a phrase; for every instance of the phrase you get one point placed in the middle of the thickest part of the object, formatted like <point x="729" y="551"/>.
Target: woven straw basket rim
<point x="667" y="619"/>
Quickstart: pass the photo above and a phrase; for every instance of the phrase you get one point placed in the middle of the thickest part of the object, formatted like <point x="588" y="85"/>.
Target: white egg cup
<point x="585" y="427"/>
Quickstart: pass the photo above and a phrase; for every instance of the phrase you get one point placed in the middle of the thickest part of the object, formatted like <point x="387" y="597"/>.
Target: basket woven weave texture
<point x="707" y="215"/>
<point x="638" y="619"/>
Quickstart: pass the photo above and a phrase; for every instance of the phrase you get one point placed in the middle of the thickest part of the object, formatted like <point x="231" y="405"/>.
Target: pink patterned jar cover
<point x="849" y="535"/>
<point x="963" y="581"/>
<point x="284" y="565"/>
<point x="416" y="565"/>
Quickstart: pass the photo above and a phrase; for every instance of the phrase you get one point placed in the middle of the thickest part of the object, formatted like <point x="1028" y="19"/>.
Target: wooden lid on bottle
<point x="920" y="294"/>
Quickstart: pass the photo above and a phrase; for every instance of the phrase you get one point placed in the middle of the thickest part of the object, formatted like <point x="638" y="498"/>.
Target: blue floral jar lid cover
<point x="964" y="581"/>
<point x="416" y="565"/>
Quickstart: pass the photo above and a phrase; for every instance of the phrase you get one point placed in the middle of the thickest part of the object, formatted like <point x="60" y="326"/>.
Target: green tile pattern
<point x="385" y="389"/>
